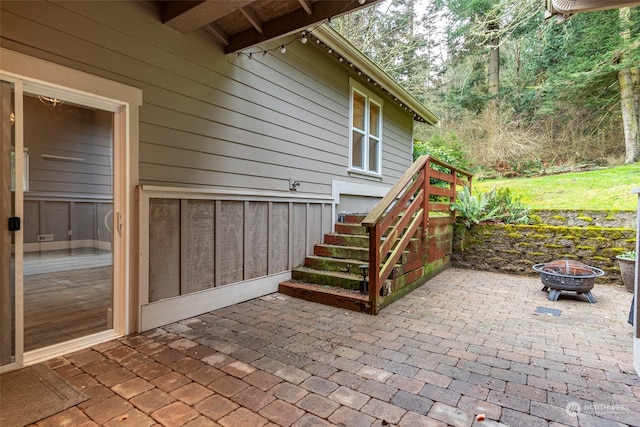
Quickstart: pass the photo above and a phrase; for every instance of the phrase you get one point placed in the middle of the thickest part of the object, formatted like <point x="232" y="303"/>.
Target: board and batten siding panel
<point x="314" y="227"/>
<point x="278" y="237"/>
<point x="31" y="221"/>
<point x="231" y="243"/>
<point x="56" y="221"/>
<point x="164" y="242"/>
<point x="200" y="246"/>
<point x="83" y="218"/>
<point x="298" y="234"/>
<point x="284" y="104"/>
<point x="197" y="244"/>
<point x="256" y="245"/>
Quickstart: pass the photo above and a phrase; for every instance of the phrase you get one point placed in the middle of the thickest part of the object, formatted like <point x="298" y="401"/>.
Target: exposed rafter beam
<point x="217" y="32"/>
<point x="185" y="16"/>
<point x="306" y="5"/>
<point x="252" y="18"/>
<point x="292" y="22"/>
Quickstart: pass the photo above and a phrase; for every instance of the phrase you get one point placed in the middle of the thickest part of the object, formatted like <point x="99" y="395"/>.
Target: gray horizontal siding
<point x="208" y="119"/>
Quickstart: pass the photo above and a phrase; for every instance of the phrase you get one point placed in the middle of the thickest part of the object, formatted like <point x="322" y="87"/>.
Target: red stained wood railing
<point x="428" y="186"/>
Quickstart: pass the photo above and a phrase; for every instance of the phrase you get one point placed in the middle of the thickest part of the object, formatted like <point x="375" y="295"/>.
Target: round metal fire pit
<point x="568" y="275"/>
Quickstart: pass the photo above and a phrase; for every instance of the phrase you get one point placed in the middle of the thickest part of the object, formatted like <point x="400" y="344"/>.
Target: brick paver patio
<point x="466" y="343"/>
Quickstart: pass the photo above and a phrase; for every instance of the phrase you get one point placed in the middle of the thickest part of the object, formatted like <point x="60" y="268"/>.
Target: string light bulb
<point x="362" y="1"/>
<point x="304" y="37"/>
<point x="283" y="49"/>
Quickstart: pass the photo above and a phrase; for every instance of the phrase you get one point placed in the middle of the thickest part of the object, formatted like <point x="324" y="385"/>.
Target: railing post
<point x="425" y="191"/>
<point x="374" y="267"/>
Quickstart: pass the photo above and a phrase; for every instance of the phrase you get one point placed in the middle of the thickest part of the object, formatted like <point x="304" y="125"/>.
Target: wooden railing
<point x="426" y="190"/>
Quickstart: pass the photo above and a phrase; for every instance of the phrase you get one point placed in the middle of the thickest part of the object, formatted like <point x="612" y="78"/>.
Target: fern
<point x="487" y="207"/>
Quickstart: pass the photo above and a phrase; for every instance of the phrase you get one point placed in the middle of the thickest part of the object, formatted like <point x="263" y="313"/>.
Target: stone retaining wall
<point x="582" y="218"/>
<point x="516" y="248"/>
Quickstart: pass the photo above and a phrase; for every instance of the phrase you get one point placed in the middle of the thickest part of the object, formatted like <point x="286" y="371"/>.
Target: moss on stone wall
<point x="516" y="248"/>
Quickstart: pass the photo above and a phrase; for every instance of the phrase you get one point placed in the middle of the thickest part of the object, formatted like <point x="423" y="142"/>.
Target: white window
<point x="366" y="131"/>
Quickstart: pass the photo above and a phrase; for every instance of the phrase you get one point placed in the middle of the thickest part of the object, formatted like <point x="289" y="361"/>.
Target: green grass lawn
<point x="604" y="189"/>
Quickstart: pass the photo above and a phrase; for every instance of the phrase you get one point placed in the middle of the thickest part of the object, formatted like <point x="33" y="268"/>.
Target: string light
<point x="304" y="38"/>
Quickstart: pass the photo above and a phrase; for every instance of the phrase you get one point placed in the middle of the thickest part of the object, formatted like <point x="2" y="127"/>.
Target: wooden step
<point x="340" y="239"/>
<point x="349" y="300"/>
<point x="343" y="252"/>
<point x="351" y="266"/>
<point x="334" y="279"/>
<point x="351" y="228"/>
<point x="351" y="218"/>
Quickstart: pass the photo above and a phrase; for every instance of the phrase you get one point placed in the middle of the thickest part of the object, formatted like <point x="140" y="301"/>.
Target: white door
<point x="635" y="307"/>
<point x="9" y="228"/>
<point x="60" y="244"/>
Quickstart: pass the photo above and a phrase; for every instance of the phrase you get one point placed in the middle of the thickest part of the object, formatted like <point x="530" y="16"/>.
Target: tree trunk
<point x="629" y="93"/>
<point x="494" y="75"/>
<point x="629" y="116"/>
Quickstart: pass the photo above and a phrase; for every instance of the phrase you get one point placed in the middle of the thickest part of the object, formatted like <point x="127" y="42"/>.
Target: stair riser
<point x="346" y="240"/>
<point x="331" y="264"/>
<point x="324" y="280"/>
<point x="351" y="218"/>
<point x="341" y="252"/>
<point x="353" y="229"/>
<point x="341" y="300"/>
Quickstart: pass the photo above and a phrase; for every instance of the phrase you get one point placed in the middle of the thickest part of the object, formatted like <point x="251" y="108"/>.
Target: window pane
<point x="358" y="110"/>
<point x="373" y="155"/>
<point x="374" y="119"/>
<point x="357" y="154"/>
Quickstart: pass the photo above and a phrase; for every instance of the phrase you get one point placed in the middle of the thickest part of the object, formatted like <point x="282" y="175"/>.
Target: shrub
<point x="511" y="210"/>
<point x="446" y="148"/>
<point x="472" y="209"/>
<point x="493" y="206"/>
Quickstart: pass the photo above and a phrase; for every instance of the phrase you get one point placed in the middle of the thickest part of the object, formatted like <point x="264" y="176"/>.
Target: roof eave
<point x="570" y="7"/>
<point x="352" y="55"/>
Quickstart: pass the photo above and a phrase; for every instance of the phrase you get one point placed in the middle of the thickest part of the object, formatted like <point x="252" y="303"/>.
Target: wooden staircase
<point x="337" y="271"/>
<point x="399" y="245"/>
<point x="333" y="274"/>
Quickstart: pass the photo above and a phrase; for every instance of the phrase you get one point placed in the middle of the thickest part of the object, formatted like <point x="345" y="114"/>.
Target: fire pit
<point x="567" y="275"/>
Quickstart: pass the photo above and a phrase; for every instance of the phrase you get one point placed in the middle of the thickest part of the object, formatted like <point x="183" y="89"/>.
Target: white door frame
<point x="35" y="75"/>
<point x="635" y="308"/>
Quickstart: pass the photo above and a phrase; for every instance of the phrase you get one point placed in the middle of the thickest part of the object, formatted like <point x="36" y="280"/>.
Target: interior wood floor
<point x="63" y="305"/>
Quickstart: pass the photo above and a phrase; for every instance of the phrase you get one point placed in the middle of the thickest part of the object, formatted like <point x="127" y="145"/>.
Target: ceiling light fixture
<point x="52" y="102"/>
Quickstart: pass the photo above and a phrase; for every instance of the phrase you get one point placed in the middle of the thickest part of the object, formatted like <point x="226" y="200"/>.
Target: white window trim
<point x="354" y="86"/>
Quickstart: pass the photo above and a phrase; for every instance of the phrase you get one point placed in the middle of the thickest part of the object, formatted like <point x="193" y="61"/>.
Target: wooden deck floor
<point x="69" y="299"/>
